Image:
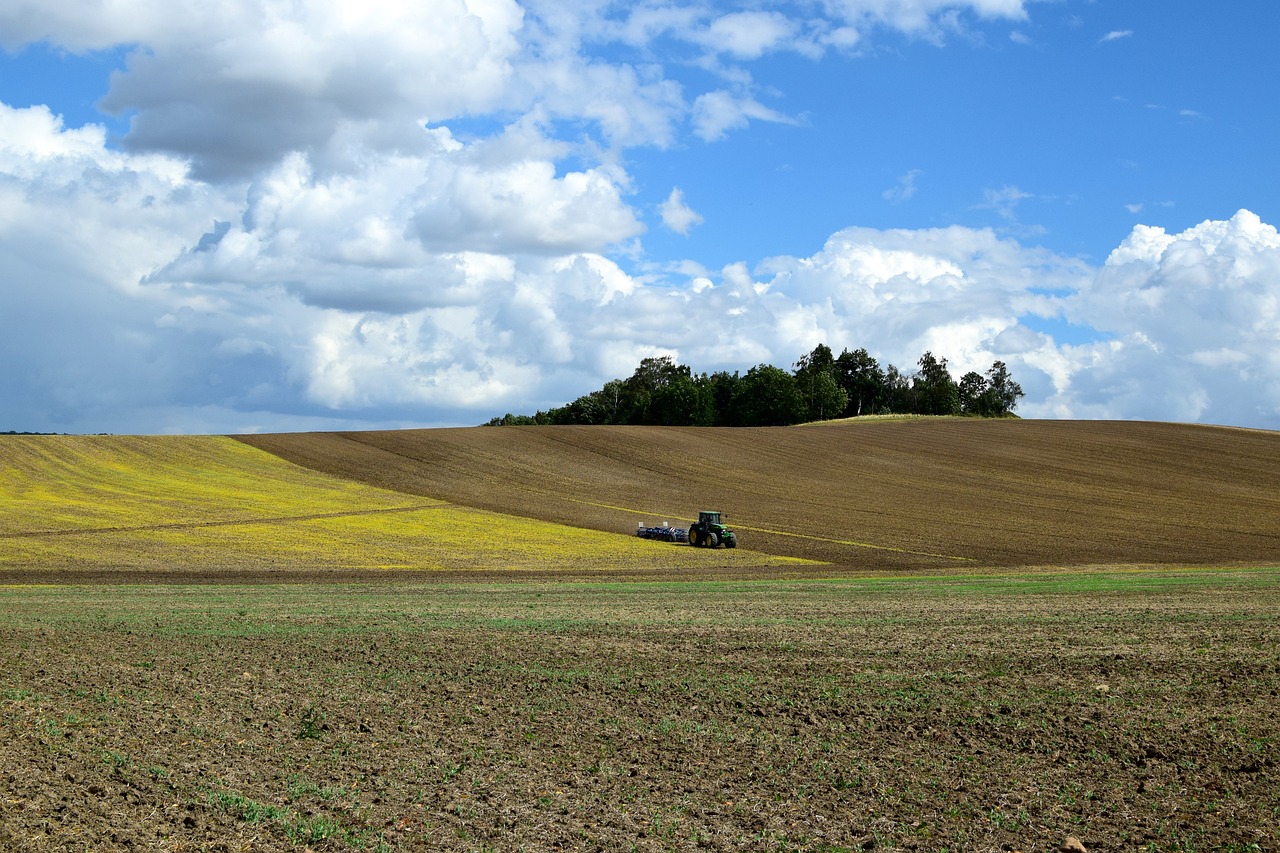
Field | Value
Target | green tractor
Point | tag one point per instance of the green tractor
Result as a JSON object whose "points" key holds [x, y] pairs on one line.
{"points": [[709, 532]]}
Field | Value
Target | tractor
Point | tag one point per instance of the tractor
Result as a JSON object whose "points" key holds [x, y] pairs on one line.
{"points": [[709, 532]]}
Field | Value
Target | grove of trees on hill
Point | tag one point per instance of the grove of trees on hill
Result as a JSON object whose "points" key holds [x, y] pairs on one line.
{"points": [[821, 386]]}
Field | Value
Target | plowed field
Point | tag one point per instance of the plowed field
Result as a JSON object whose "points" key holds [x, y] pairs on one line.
{"points": [[923, 494], [1014, 633], [1132, 711]]}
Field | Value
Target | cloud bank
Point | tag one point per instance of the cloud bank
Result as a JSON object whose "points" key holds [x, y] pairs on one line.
{"points": [[323, 217]]}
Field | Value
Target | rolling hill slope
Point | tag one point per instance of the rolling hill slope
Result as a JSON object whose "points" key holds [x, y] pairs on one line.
{"points": [[207, 508], [867, 495]]}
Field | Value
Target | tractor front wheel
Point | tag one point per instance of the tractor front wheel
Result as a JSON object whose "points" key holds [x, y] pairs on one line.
{"points": [[712, 539]]}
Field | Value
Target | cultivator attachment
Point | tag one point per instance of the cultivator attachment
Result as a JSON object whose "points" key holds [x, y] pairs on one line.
{"points": [[664, 532]]}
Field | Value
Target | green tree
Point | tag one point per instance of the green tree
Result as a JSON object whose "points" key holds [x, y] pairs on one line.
{"points": [[724, 388], [683, 401], [1002, 394], [816, 378], [635, 398], [899, 396], [589, 409], [973, 389], [936, 393], [767, 396], [862, 380]]}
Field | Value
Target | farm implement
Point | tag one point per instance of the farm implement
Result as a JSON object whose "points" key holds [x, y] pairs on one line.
{"points": [[664, 533], [708, 531]]}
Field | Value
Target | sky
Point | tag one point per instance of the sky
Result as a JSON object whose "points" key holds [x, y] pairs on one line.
{"points": [[296, 215]]}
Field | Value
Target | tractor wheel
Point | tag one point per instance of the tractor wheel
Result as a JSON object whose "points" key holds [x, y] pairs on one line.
{"points": [[731, 543], [693, 538], [712, 539]]}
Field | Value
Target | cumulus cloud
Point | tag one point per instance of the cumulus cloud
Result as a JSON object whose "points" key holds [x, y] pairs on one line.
{"points": [[1193, 321], [677, 215], [300, 304], [330, 215]]}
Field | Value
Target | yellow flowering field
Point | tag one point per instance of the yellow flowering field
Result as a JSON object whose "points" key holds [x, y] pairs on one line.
{"points": [[180, 504]]}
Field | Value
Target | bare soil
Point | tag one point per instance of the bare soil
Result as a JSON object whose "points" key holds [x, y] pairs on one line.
{"points": [[1027, 657], [816, 716], [932, 494]]}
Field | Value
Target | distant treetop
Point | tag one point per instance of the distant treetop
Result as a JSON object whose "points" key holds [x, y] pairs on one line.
{"points": [[821, 386]]}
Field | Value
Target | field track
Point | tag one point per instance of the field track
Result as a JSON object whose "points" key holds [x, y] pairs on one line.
{"points": [[935, 494]]}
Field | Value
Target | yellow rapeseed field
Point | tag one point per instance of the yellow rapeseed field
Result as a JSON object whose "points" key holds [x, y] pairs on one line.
{"points": [[207, 503]]}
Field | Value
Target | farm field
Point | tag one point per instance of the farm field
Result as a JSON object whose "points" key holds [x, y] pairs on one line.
{"points": [[926, 494], [1132, 710], [214, 509], [938, 634]]}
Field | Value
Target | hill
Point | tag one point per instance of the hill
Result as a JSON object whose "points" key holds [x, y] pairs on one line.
{"points": [[205, 508], [871, 495]]}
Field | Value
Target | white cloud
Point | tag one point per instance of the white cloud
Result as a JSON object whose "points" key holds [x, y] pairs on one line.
{"points": [[921, 17], [328, 214], [677, 215], [716, 113], [748, 35], [236, 86], [905, 189], [304, 304], [1194, 320], [1116, 35], [1005, 201]]}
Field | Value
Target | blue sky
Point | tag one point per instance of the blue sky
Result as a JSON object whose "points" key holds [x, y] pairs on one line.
{"points": [[260, 216]]}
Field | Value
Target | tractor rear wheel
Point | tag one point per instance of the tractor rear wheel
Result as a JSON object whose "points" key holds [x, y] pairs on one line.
{"points": [[693, 538]]}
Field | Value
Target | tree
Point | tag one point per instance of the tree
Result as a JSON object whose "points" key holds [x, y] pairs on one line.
{"points": [[1002, 392], [862, 380], [589, 409], [767, 396], [724, 387], [683, 401], [899, 397], [637, 393], [935, 391], [816, 378], [824, 398], [973, 388], [821, 360]]}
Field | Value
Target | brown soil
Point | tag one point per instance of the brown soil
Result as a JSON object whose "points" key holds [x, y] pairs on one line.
{"points": [[1135, 712], [815, 717], [927, 494]]}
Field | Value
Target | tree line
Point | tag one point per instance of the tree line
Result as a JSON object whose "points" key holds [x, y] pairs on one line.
{"points": [[821, 386]]}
